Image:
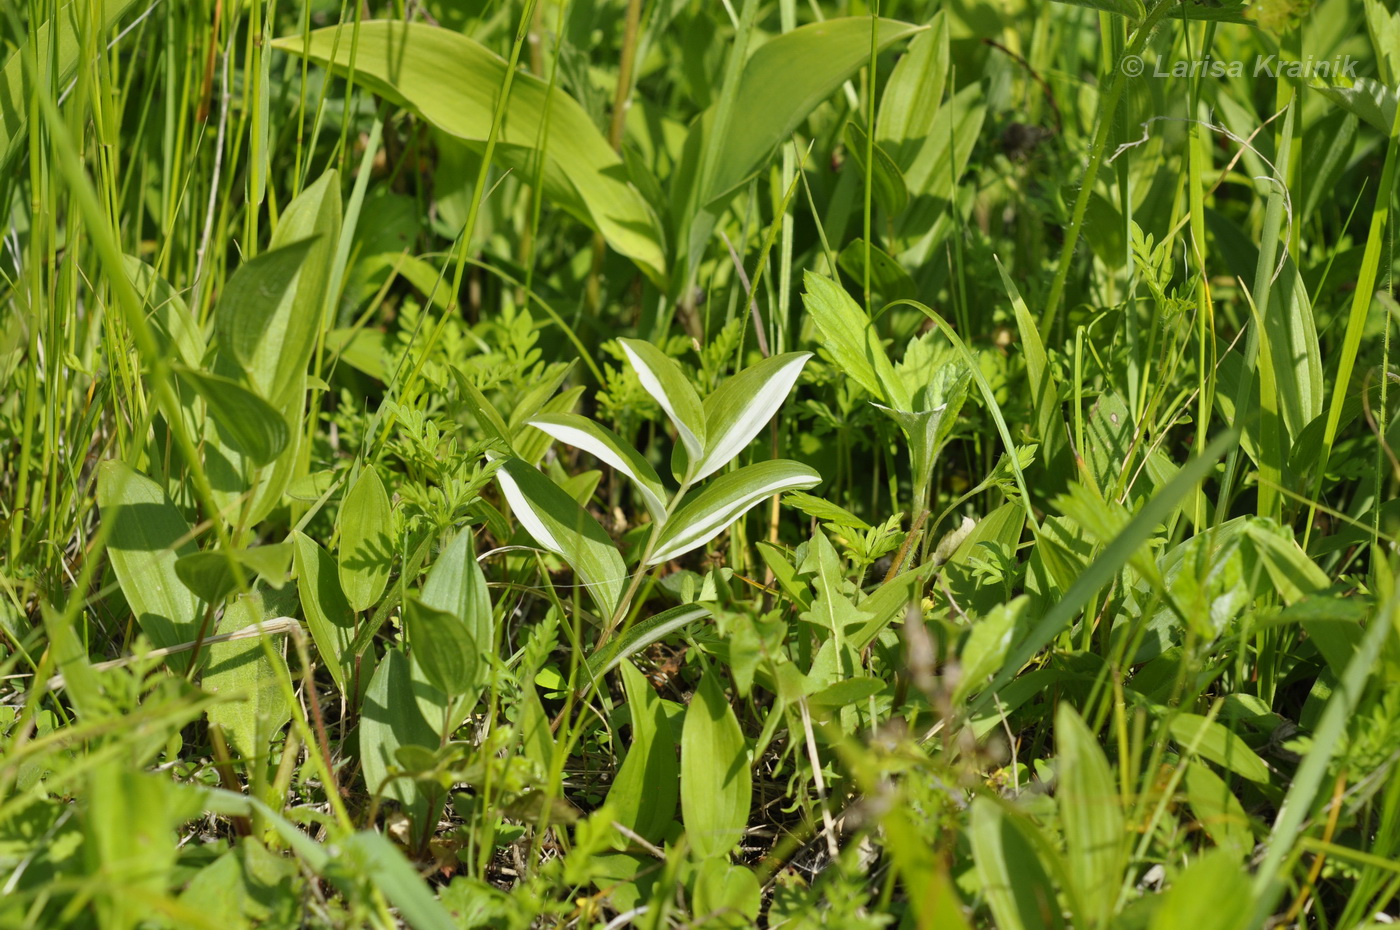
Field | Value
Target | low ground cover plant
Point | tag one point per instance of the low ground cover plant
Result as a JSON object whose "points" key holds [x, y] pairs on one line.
{"points": [[614, 463]]}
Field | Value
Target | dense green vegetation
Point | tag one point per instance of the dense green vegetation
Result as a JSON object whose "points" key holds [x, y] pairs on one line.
{"points": [[669, 464]]}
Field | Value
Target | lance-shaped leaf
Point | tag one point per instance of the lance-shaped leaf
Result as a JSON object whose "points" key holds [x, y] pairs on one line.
{"points": [[328, 614], [1091, 816], [738, 408], [560, 525], [606, 446], [716, 785], [454, 84], [664, 380], [249, 423], [727, 499], [641, 635], [645, 791], [366, 549], [456, 584], [852, 340]]}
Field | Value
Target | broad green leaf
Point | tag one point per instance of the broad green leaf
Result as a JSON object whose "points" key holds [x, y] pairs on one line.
{"points": [[247, 422], [377, 859], [397, 711], [606, 446], [240, 669], [328, 614], [454, 82], [886, 180], [209, 576], [641, 635], [913, 93], [742, 405], [1215, 742], [1009, 873], [561, 526], [644, 792], [726, 895], [255, 311], [852, 340], [664, 380], [1217, 809], [725, 500], [716, 785], [1211, 892], [1091, 815], [932, 175], [985, 649], [1368, 99], [1384, 26], [16, 90], [456, 584], [1132, 9], [146, 537], [366, 547], [174, 327], [784, 80], [442, 647]]}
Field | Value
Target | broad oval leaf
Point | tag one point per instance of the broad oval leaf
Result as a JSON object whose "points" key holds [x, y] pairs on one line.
{"points": [[442, 647], [664, 380], [328, 614], [912, 93], [606, 446], [725, 500], [242, 669], [454, 83], [209, 575], [739, 408], [645, 791], [560, 525], [852, 340], [250, 424], [784, 80], [147, 535], [366, 548], [716, 785], [255, 311]]}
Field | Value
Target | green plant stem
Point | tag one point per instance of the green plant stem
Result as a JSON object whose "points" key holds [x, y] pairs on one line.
{"points": [[1108, 105]]}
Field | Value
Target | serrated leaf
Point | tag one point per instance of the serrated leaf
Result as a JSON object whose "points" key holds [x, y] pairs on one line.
{"points": [[147, 535], [1132, 9], [663, 379], [606, 446], [854, 343], [560, 525], [716, 786], [366, 548], [1368, 99], [645, 791], [328, 614], [742, 405], [453, 82], [724, 501]]}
